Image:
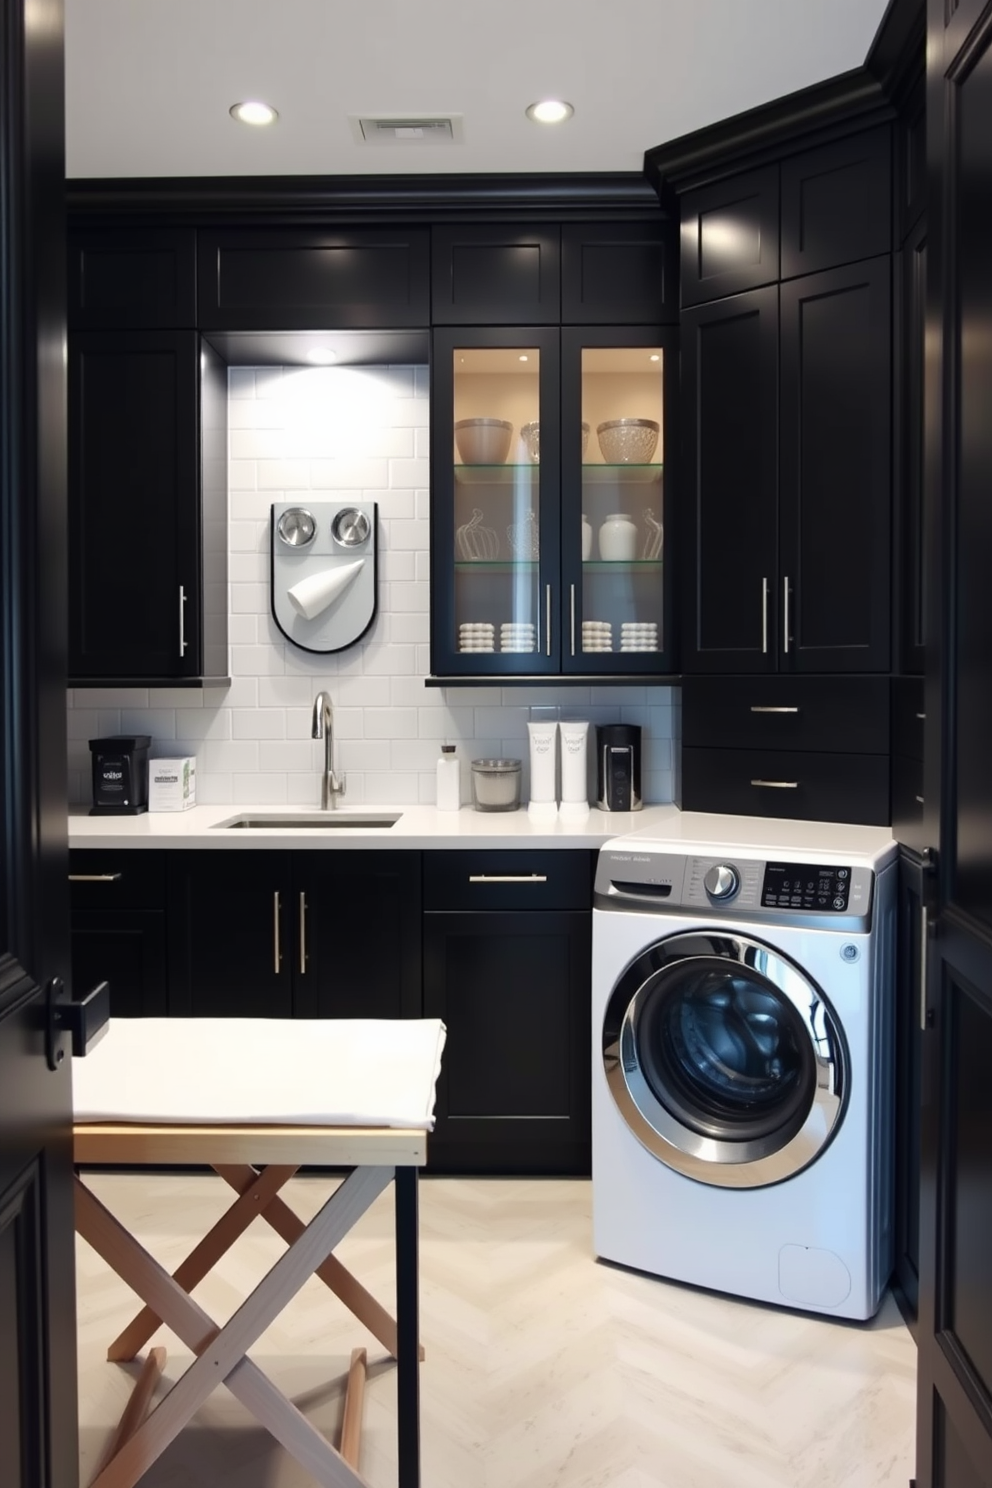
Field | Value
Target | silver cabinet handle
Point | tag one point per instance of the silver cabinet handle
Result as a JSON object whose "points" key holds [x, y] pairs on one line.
{"points": [[527, 878], [785, 615], [276, 947], [547, 619], [764, 616], [94, 877], [921, 717], [757, 708], [777, 784], [919, 800], [182, 620], [571, 613], [303, 934]]}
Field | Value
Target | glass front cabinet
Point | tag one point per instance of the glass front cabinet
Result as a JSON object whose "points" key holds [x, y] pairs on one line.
{"points": [[549, 501]]}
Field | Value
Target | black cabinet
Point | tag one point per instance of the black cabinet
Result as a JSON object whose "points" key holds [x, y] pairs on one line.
{"points": [[132, 279], [909, 395], [281, 279], [305, 934], [619, 273], [507, 951], [527, 497], [147, 508], [787, 459], [837, 203], [730, 236], [118, 929], [496, 274]]}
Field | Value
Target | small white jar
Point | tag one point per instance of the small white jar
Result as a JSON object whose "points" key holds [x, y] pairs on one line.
{"points": [[618, 538]]}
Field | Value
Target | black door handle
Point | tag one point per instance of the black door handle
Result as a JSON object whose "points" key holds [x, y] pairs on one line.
{"points": [[86, 1021]]}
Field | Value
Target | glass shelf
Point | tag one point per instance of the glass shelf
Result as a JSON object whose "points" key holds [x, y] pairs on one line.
{"points": [[496, 565], [496, 475], [603, 565], [621, 475]]}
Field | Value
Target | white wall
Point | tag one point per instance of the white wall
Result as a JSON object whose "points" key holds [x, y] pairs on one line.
{"points": [[361, 434]]}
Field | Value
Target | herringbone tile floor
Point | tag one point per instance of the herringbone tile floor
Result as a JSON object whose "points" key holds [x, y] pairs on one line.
{"points": [[544, 1368]]}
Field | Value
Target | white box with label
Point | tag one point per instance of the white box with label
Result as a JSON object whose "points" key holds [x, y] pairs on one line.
{"points": [[171, 784]]}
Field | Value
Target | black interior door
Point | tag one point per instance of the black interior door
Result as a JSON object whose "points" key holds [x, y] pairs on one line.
{"points": [[38, 1430], [954, 1447]]}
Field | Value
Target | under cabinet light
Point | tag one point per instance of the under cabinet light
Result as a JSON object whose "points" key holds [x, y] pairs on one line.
{"points": [[253, 112], [321, 356], [550, 111]]}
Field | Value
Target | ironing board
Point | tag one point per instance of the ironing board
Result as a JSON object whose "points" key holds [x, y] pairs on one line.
{"points": [[256, 1099]]}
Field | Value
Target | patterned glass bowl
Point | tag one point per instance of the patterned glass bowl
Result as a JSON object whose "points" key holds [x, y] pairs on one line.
{"points": [[628, 441], [483, 441], [531, 436]]}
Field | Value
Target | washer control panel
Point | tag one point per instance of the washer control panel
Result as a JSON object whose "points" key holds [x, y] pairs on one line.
{"points": [[806, 886]]}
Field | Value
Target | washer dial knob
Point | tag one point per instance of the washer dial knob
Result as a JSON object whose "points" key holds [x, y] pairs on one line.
{"points": [[721, 881]]}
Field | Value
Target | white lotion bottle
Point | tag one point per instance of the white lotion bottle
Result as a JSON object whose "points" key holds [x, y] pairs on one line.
{"points": [[574, 767], [543, 768], [448, 780]]}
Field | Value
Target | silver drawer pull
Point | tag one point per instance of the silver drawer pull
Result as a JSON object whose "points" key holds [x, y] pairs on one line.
{"points": [[528, 878], [777, 784], [94, 877], [755, 708], [921, 717], [276, 938], [920, 800]]}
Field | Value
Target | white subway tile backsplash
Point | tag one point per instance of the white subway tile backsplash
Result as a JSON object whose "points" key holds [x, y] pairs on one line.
{"points": [[349, 434]]}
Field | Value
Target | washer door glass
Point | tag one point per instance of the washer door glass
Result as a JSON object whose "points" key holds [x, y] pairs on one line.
{"points": [[724, 1059]]}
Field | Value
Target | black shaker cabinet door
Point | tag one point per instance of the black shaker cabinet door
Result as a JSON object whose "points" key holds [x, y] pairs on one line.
{"points": [[836, 203], [495, 275], [132, 279], [730, 450], [134, 559], [835, 470], [619, 273], [730, 236]]}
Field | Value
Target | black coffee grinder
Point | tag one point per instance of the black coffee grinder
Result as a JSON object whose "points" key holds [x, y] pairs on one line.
{"points": [[618, 767]]}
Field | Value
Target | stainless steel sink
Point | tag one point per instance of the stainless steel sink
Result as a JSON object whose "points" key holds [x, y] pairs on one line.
{"points": [[321, 821]]}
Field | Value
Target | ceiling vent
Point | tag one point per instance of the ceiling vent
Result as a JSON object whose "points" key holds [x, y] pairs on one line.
{"points": [[408, 129]]}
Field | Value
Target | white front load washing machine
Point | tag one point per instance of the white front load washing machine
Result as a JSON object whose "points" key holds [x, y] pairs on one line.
{"points": [[742, 1079]]}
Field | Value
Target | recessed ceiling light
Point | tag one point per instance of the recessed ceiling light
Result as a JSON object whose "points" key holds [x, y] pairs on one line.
{"points": [[550, 111], [524, 357], [254, 112], [321, 356], [654, 357]]}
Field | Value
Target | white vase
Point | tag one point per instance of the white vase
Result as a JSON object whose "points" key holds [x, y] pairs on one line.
{"points": [[586, 539], [617, 538]]}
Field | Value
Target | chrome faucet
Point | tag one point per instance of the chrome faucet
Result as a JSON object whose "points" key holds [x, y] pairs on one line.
{"points": [[323, 728]]}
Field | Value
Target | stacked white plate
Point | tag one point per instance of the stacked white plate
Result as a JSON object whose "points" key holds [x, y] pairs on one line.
{"points": [[638, 635], [517, 636], [597, 635], [477, 636]]}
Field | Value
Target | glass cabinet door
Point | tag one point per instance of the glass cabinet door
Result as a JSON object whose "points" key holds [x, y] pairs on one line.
{"points": [[499, 524], [613, 517]]}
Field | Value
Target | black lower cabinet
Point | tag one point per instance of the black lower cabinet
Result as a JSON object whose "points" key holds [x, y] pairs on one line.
{"points": [[118, 929], [319, 934], [512, 986], [909, 974]]}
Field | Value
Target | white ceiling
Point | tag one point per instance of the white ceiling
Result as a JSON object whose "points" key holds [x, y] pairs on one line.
{"points": [[149, 82]]}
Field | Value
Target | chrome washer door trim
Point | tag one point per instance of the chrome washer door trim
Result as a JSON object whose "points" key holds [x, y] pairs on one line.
{"points": [[751, 1163]]}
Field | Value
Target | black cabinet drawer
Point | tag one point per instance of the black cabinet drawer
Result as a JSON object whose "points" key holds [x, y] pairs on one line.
{"points": [[508, 880], [293, 280], [836, 203], [619, 274], [814, 787], [126, 949], [730, 236], [908, 716], [496, 275], [821, 714], [105, 880], [127, 280]]}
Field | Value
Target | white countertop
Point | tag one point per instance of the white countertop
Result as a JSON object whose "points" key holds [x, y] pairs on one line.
{"points": [[426, 827]]}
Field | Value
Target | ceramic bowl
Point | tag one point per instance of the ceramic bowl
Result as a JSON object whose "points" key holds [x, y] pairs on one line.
{"points": [[628, 441], [483, 441]]}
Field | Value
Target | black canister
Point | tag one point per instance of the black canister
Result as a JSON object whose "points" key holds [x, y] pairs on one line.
{"points": [[120, 775], [618, 767]]}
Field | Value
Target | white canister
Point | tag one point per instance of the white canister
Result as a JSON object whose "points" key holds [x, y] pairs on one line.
{"points": [[618, 538], [586, 539], [543, 762], [448, 781], [574, 768]]}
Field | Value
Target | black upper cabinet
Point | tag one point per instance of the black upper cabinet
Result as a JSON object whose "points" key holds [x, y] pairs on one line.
{"points": [[910, 164], [835, 470], [281, 279], [911, 569], [730, 236], [619, 274], [787, 464], [730, 480], [836, 203], [132, 280], [147, 497], [495, 275]]}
